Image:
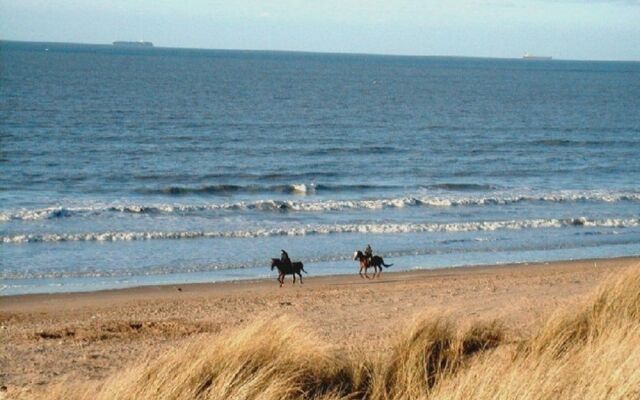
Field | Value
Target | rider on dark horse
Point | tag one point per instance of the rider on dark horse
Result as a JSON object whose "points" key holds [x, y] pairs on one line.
{"points": [[284, 257], [368, 253]]}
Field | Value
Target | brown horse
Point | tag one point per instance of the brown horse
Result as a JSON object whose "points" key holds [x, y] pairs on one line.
{"points": [[376, 262], [291, 268]]}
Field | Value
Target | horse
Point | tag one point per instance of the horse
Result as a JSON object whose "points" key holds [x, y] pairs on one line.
{"points": [[376, 262], [291, 268]]}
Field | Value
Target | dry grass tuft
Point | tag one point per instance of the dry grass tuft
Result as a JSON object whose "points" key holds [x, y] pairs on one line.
{"points": [[592, 352], [432, 350], [273, 359], [616, 302]]}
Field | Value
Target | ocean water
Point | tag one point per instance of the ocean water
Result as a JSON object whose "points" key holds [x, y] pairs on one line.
{"points": [[127, 167]]}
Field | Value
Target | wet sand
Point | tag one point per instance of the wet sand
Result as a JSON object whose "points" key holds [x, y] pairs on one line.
{"points": [[48, 338]]}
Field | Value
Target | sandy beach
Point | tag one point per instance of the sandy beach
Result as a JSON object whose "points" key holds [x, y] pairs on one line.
{"points": [[81, 336]]}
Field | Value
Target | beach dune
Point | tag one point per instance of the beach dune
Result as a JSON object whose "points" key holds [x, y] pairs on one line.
{"points": [[351, 330]]}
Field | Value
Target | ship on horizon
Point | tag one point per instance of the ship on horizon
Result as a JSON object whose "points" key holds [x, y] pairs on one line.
{"points": [[138, 44], [528, 56]]}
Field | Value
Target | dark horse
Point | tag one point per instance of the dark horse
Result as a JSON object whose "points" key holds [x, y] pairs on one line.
{"points": [[376, 262], [284, 268]]}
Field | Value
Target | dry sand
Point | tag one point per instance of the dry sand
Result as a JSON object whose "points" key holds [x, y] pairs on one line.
{"points": [[47, 338]]}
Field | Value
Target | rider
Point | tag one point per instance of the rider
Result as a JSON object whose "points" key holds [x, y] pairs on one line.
{"points": [[368, 252], [284, 257]]}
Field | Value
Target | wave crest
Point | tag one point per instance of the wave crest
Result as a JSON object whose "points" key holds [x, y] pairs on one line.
{"points": [[228, 189], [385, 228], [320, 205]]}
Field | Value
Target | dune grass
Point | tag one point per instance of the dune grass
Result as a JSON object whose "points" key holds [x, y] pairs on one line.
{"points": [[269, 359], [590, 351], [432, 349]]}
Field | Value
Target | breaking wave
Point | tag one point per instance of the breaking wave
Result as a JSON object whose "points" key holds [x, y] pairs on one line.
{"points": [[303, 230], [228, 189], [318, 206], [463, 187]]}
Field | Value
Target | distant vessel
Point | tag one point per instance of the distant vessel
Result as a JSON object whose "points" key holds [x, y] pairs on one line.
{"points": [[528, 56], [133, 44]]}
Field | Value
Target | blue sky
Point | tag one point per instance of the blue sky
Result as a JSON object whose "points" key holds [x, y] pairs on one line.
{"points": [[568, 29]]}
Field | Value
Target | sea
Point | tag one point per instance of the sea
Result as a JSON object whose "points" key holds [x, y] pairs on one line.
{"points": [[125, 167]]}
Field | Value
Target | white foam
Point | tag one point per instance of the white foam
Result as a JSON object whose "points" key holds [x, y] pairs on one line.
{"points": [[383, 228], [303, 188], [323, 205]]}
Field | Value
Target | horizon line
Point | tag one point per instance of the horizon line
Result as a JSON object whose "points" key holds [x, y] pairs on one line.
{"points": [[346, 53]]}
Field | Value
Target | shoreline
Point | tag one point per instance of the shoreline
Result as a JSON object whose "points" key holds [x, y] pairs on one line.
{"points": [[152, 290]]}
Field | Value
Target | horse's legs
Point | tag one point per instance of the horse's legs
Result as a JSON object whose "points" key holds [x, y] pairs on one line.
{"points": [[294, 278], [281, 279], [365, 273], [300, 275], [360, 272]]}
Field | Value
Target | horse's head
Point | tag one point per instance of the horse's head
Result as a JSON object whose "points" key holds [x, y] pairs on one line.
{"points": [[274, 263], [357, 255]]}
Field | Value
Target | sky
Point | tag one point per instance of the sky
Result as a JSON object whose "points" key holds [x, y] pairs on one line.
{"points": [[564, 29]]}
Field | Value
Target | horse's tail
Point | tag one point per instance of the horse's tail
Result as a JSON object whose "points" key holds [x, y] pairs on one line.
{"points": [[297, 267], [385, 265]]}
